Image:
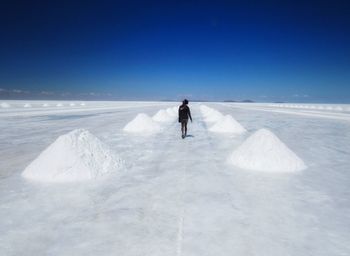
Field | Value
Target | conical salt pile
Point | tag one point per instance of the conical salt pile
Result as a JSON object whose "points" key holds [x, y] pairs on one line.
{"points": [[172, 111], [142, 123], [263, 151], [27, 105], [75, 156], [205, 110], [213, 116], [163, 116], [227, 124]]}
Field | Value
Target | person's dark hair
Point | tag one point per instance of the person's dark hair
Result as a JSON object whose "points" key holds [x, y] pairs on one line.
{"points": [[185, 102]]}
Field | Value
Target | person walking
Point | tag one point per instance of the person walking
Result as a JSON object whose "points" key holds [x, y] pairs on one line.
{"points": [[184, 115]]}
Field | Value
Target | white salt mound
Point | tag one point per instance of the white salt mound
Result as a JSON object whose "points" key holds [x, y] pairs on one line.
{"points": [[45, 105], [205, 110], [263, 151], [72, 104], [27, 105], [227, 124], [213, 116], [75, 156], [5, 105], [82, 104], [142, 123], [163, 116], [172, 111], [59, 105]]}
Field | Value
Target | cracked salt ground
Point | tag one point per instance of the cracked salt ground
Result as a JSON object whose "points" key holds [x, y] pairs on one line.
{"points": [[177, 197]]}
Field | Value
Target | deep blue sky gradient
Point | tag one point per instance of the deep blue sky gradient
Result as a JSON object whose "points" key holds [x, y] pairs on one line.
{"points": [[219, 50]]}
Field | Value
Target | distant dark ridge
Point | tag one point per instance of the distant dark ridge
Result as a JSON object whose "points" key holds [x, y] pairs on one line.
{"points": [[245, 101]]}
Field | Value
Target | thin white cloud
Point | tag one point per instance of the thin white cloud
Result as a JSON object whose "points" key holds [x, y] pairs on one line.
{"points": [[47, 93]]}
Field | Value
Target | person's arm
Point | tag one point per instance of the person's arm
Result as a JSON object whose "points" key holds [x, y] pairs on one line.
{"points": [[189, 114], [179, 114]]}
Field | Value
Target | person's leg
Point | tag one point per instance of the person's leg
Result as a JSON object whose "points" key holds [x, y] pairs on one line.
{"points": [[186, 128], [182, 127]]}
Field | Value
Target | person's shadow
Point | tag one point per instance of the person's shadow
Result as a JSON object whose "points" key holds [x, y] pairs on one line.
{"points": [[189, 136]]}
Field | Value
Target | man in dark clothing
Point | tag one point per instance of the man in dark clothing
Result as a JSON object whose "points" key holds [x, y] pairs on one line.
{"points": [[184, 114]]}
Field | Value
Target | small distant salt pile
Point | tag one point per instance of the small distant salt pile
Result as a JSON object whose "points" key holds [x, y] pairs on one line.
{"points": [[72, 104], [75, 156], [263, 151], [227, 124], [59, 105], [5, 105], [142, 123], [82, 104], [205, 110], [213, 116], [45, 105], [163, 116], [172, 111], [27, 105]]}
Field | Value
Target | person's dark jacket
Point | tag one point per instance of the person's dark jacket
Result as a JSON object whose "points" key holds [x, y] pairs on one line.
{"points": [[184, 113]]}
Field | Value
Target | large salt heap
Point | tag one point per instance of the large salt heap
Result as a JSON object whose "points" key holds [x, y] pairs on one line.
{"points": [[142, 123], [75, 156], [227, 124], [163, 116], [263, 151]]}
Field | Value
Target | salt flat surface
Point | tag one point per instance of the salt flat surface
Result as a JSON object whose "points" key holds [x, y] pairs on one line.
{"points": [[177, 197]]}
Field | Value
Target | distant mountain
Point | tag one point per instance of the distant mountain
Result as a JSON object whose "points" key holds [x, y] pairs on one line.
{"points": [[246, 101]]}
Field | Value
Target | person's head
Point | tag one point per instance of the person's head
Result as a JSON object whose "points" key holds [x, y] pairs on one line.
{"points": [[185, 102]]}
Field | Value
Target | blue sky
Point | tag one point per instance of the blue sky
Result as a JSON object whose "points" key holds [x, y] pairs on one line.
{"points": [[156, 50]]}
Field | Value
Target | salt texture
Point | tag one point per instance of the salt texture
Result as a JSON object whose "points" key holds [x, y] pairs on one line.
{"points": [[205, 110], [142, 123], [213, 116], [5, 105], [227, 124], [75, 156], [172, 111], [210, 114], [263, 151], [163, 116]]}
